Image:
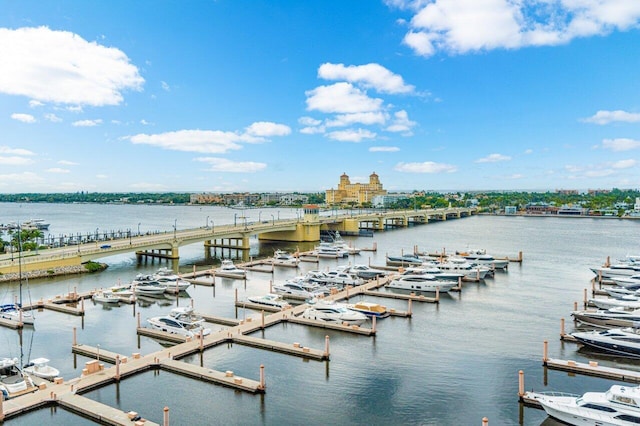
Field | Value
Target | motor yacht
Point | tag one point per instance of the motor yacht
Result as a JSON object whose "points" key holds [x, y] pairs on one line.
{"points": [[274, 300], [480, 257], [608, 318], [333, 312], [365, 271], [620, 405], [405, 260], [227, 267], [327, 249], [292, 288], [180, 321], [617, 270], [281, 257], [370, 309], [105, 296], [422, 283], [619, 341], [629, 282]]}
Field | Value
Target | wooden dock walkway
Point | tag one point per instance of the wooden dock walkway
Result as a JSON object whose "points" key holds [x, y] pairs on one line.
{"points": [[593, 369]]}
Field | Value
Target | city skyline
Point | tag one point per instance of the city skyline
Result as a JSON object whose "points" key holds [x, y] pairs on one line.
{"points": [[223, 96]]}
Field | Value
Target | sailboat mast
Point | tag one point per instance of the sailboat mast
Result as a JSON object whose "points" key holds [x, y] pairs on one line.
{"points": [[20, 262]]}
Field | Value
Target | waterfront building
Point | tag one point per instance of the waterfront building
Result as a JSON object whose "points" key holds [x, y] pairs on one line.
{"points": [[380, 201], [355, 193], [510, 209]]}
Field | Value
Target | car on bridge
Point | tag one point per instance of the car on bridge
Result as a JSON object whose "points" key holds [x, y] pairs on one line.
{"points": [[105, 246]]}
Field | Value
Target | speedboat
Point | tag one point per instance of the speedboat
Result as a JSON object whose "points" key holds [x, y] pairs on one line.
{"points": [[424, 283], [147, 288], [40, 367], [480, 257], [632, 302], [461, 265], [180, 321], [629, 282], [14, 312], [270, 300], [105, 296], [281, 257], [334, 313], [327, 249], [342, 278], [227, 267], [13, 381], [608, 318], [342, 244], [435, 272], [370, 309], [620, 405], [617, 270], [620, 341]]}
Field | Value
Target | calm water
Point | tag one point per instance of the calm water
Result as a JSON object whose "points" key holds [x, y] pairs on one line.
{"points": [[451, 364]]}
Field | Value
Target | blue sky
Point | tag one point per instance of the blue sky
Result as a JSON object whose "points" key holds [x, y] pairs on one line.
{"points": [[223, 96]]}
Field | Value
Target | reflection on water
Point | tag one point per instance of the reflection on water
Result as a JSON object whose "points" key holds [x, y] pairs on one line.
{"points": [[451, 363]]}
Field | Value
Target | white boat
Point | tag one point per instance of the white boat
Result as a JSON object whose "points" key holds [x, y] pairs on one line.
{"points": [[365, 271], [621, 292], [423, 283], [617, 270], [327, 249], [13, 381], [435, 272], [150, 288], [40, 367], [180, 321], [14, 312], [35, 224], [281, 257], [342, 244], [620, 341], [405, 260], [631, 282], [608, 318], [228, 268], [333, 312], [620, 405], [370, 309], [274, 300], [105, 296], [608, 303], [172, 283], [341, 278], [292, 288], [461, 265]]}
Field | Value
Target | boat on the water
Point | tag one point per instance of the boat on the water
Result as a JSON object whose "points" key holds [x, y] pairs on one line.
{"points": [[370, 309], [365, 271], [227, 267], [424, 283], [620, 405], [405, 260], [619, 341], [13, 381], [281, 257], [14, 312], [40, 367], [181, 320], [333, 312], [273, 300], [105, 296], [608, 318], [298, 289]]}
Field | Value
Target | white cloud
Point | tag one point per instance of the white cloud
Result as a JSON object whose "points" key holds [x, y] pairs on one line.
{"points": [[87, 123], [312, 130], [62, 67], [461, 26], [624, 164], [341, 98], [351, 135], [101, 176], [15, 161], [267, 129], [528, 151], [384, 149], [15, 151], [369, 76], [67, 163], [225, 165], [620, 144], [144, 122], [606, 117], [165, 86], [204, 141], [23, 179], [309, 121], [366, 118], [52, 118], [426, 167], [25, 118], [35, 104], [58, 170], [147, 186], [493, 158], [401, 123]]}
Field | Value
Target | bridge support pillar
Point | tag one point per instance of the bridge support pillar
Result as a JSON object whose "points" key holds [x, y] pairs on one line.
{"points": [[380, 224]]}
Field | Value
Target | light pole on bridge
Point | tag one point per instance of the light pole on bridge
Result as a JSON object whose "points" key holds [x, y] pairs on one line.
{"points": [[273, 220], [175, 228]]}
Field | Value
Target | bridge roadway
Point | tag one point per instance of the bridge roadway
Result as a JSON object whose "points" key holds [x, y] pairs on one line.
{"points": [[283, 230]]}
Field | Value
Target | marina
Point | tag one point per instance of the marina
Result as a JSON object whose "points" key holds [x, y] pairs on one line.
{"points": [[397, 339]]}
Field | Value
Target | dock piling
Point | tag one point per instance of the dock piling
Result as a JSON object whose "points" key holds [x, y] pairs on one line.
{"points": [[117, 368], [373, 323], [165, 417], [326, 346], [409, 307], [262, 381], [545, 351], [75, 341], [520, 383], [485, 421], [562, 333]]}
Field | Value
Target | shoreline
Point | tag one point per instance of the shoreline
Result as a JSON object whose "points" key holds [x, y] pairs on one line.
{"points": [[47, 273]]}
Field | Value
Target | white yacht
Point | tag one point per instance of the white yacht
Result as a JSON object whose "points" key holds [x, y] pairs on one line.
{"points": [[13, 381], [620, 341], [423, 283], [274, 300], [40, 367], [617, 270], [620, 405], [105, 296], [334, 313], [227, 267], [630, 282], [281, 257], [365, 271], [326, 249], [461, 265], [180, 321], [292, 288], [608, 318]]}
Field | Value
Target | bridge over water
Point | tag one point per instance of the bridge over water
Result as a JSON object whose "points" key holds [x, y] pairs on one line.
{"points": [[304, 229]]}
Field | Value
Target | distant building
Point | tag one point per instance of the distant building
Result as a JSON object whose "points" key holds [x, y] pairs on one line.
{"points": [[355, 193], [510, 210], [388, 199]]}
